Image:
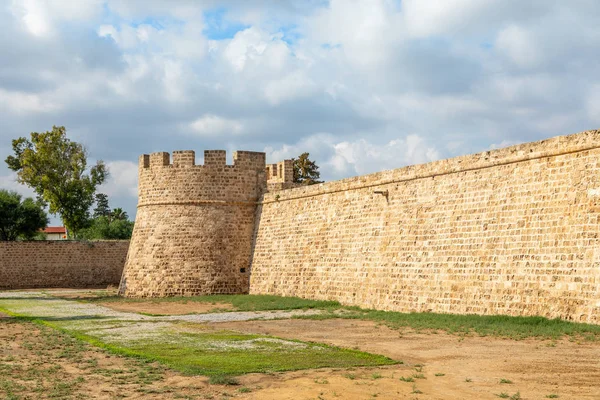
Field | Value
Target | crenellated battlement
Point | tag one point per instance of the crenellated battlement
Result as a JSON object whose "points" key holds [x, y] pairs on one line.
{"points": [[159, 159], [184, 158], [215, 175], [280, 176], [282, 171], [212, 158]]}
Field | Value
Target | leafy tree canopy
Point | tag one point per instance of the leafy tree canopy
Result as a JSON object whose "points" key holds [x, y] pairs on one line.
{"points": [[56, 168], [119, 215], [107, 229], [20, 219], [306, 172], [102, 209]]}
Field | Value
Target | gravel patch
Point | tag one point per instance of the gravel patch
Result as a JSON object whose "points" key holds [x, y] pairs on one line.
{"points": [[134, 331], [127, 327], [37, 303], [239, 316], [260, 344]]}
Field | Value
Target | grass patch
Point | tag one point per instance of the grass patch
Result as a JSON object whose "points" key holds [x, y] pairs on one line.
{"points": [[214, 353], [221, 379], [483, 325], [229, 353]]}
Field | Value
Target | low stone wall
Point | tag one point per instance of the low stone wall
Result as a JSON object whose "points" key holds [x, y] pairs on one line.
{"points": [[65, 264]]}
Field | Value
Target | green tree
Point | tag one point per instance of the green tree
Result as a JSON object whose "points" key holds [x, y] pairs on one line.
{"points": [[306, 172], [119, 215], [20, 219], [102, 209], [103, 228], [56, 168]]}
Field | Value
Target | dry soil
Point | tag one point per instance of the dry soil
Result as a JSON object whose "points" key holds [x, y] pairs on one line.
{"points": [[440, 365]]}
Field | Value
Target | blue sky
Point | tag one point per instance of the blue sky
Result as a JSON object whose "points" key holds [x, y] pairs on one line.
{"points": [[363, 85]]}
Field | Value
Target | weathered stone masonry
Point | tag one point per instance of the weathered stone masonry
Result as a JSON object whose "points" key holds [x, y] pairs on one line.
{"points": [[58, 263], [194, 225], [512, 231]]}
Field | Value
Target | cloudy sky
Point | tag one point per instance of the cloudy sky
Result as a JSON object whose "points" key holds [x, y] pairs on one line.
{"points": [[361, 85]]}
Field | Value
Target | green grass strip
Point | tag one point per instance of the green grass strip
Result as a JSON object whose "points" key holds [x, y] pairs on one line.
{"points": [[512, 327], [217, 353]]}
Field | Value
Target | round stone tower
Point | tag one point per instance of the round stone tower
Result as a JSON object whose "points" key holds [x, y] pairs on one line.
{"points": [[194, 224]]}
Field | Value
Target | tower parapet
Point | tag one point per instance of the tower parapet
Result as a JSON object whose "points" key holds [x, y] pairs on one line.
{"points": [[194, 225], [280, 176]]}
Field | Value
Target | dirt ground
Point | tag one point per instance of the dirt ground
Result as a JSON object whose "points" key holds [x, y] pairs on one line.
{"points": [[435, 365], [40, 363], [466, 368], [168, 308]]}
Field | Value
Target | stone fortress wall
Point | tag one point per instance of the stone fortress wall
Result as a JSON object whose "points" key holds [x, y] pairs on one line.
{"points": [[513, 231], [61, 264], [194, 224]]}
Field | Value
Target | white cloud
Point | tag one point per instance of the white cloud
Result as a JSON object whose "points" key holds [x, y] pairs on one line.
{"points": [[126, 36], [425, 18], [139, 9], [339, 159], [502, 144], [22, 103], [173, 80], [9, 182], [122, 180], [429, 17], [592, 105], [255, 46], [366, 31], [519, 46], [362, 157], [41, 17], [183, 42], [33, 16], [524, 89], [213, 125], [289, 87]]}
